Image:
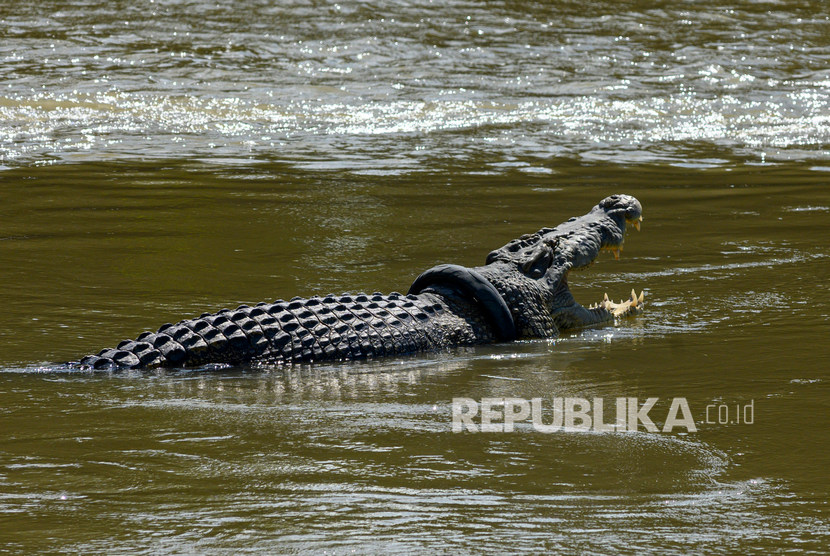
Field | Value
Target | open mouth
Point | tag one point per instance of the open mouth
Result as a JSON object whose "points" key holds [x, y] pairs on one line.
{"points": [[626, 307], [605, 310]]}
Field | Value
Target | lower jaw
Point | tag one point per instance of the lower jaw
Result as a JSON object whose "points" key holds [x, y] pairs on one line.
{"points": [[574, 316], [629, 307]]}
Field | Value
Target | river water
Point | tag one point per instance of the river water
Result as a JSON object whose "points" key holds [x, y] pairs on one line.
{"points": [[159, 159]]}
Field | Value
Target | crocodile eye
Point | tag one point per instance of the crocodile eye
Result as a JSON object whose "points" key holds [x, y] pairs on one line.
{"points": [[536, 273]]}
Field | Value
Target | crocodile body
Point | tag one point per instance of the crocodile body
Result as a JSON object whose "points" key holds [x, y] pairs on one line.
{"points": [[521, 292]]}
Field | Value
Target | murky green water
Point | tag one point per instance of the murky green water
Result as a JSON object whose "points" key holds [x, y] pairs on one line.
{"points": [[167, 158]]}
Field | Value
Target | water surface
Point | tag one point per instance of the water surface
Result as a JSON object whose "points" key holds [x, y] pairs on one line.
{"points": [[164, 159]]}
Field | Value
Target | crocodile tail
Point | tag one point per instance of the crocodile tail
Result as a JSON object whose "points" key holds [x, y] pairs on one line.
{"points": [[226, 336], [299, 330]]}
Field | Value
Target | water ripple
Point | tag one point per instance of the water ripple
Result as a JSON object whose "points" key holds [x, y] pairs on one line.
{"points": [[387, 81]]}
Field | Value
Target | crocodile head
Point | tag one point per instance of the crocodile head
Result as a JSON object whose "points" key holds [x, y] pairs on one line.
{"points": [[531, 272]]}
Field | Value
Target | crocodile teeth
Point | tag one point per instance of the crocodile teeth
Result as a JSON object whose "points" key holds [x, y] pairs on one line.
{"points": [[632, 305]]}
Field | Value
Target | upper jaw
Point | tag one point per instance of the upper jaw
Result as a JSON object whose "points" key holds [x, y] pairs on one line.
{"points": [[579, 240]]}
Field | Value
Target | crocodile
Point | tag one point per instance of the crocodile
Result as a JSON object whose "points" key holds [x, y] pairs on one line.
{"points": [[521, 292]]}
